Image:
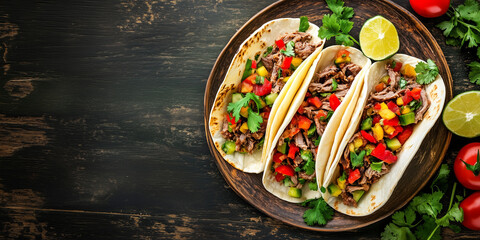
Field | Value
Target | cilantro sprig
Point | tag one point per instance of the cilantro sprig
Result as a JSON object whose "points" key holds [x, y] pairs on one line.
{"points": [[289, 51], [254, 119], [304, 25], [404, 223], [338, 24], [319, 213], [427, 72], [463, 29]]}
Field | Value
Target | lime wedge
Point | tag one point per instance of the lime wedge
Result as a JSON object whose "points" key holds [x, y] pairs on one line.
{"points": [[379, 38], [462, 114]]}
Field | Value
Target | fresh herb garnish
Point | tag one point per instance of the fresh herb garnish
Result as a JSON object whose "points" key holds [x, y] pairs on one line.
{"points": [[259, 80], [428, 206], [475, 168], [338, 24], [313, 186], [415, 104], [254, 119], [403, 83], [357, 160], [289, 51], [427, 72], [304, 25], [318, 213], [317, 141], [309, 167], [248, 69], [463, 29], [325, 94], [279, 73]]}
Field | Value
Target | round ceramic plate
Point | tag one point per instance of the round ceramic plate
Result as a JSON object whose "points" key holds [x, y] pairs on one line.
{"points": [[415, 40]]}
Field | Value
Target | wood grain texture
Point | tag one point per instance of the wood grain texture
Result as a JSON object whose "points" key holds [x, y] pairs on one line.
{"points": [[415, 41], [101, 122]]}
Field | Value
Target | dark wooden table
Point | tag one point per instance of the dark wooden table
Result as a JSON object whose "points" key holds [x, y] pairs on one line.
{"points": [[101, 122]]}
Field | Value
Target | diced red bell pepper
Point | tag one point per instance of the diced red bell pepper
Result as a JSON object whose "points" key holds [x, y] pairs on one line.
{"points": [[231, 118], [304, 123], [308, 94], [377, 106], [278, 157], [292, 150], [407, 132], [334, 102], [285, 170], [379, 151], [264, 89], [393, 107], [367, 136], [415, 93], [407, 97], [398, 130], [250, 79], [341, 53], [353, 176], [301, 109], [286, 63], [280, 44], [376, 119], [392, 122], [388, 157], [320, 114], [279, 177], [397, 67], [315, 101], [254, 64]]}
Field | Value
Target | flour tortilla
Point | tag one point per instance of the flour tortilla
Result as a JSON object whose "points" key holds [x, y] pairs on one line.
{"points": [[335, 128], [257, 43], [380, 192]]}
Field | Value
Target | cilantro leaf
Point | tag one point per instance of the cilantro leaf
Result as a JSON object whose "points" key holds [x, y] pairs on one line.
{"points": [[345, 25], [357, 160], [309, 167], [289, 51], [470, 10], [338, 24], [393, 232], [428, 203], [334, 85], [304, 25], [442, 178], [337, 8], [447, 27], [269, 50], [474, 74], [319, 213], [254, 120], [454, 214], [330, 27], [428, 229], [427, 72]]}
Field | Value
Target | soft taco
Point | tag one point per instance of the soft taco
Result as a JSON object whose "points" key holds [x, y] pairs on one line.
{"points": [[392, 117], [266, 71], [319, 113]]}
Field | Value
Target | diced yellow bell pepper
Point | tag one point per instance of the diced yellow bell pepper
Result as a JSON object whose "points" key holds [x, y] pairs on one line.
{"points": [[343, 60], [377, 132], [334, 190], [386, 114], [369, 147], [285, 79], [388, 129], [405, 110], [244, 127], [383, 106], [341, 183], [262, 71], [244, 112], [296, 61], [384, 79], [399, 101], [408, 71], [351, 147], [262, 103], [358, 142]]}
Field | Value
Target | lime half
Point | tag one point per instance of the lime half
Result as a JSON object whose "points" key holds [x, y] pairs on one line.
{"points": [[379, 38], [462, 114]]}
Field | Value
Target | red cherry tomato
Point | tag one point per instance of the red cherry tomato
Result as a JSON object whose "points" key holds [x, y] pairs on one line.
{"points": [[471, 211], [466, 177], [430, 8]]}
